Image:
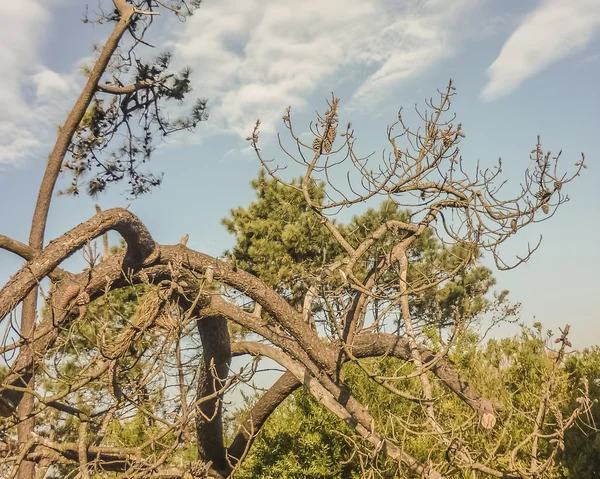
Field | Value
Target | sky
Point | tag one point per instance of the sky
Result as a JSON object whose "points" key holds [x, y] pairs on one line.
{"points": [[522, 68]]}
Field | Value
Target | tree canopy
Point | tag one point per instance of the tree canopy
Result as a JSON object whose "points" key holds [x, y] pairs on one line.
{"points": [[127, 369], [300, 440]]}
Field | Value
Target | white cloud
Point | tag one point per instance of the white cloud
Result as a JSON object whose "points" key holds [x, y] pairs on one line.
{"points": [[15, 141], [553, 31], [413, 41], [30, 94], [251, 59], [50, 83], [254, 58], [21, 24]]}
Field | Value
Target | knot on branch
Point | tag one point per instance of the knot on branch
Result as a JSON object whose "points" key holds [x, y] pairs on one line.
{"points": [[153, 257], [487, 413]]}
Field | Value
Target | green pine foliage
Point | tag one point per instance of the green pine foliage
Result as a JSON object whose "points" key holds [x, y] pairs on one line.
{"points": [[514, 370], [279, 239], [301, 440], [582, 447]]}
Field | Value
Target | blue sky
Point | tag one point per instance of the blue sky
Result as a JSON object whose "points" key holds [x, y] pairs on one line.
{"points": [[522, 68]]}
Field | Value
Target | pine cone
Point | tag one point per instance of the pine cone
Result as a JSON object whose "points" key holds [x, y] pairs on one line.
{"points": [[316, 144], [545, 208], [542, 194], [331, 133], [83, 299], [199, 469]]}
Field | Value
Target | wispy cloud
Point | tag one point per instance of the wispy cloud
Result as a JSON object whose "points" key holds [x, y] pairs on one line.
{"points": [[254, 58], [30, 94], [251, 59], [409, 42], [553, 31]]}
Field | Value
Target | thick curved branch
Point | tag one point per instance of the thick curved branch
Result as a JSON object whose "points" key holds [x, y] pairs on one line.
{"points": [[94, 282], [26, 252], [256, 289], [341, 403], [110, 273], [139, 246], [63, 308], [259, 413]]}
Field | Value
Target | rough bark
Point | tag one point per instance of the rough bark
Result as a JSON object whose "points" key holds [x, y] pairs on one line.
{"points": [[139, 246], [42, 207], [307, 358], [214, 369], [259, 413], [340, 402]]}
